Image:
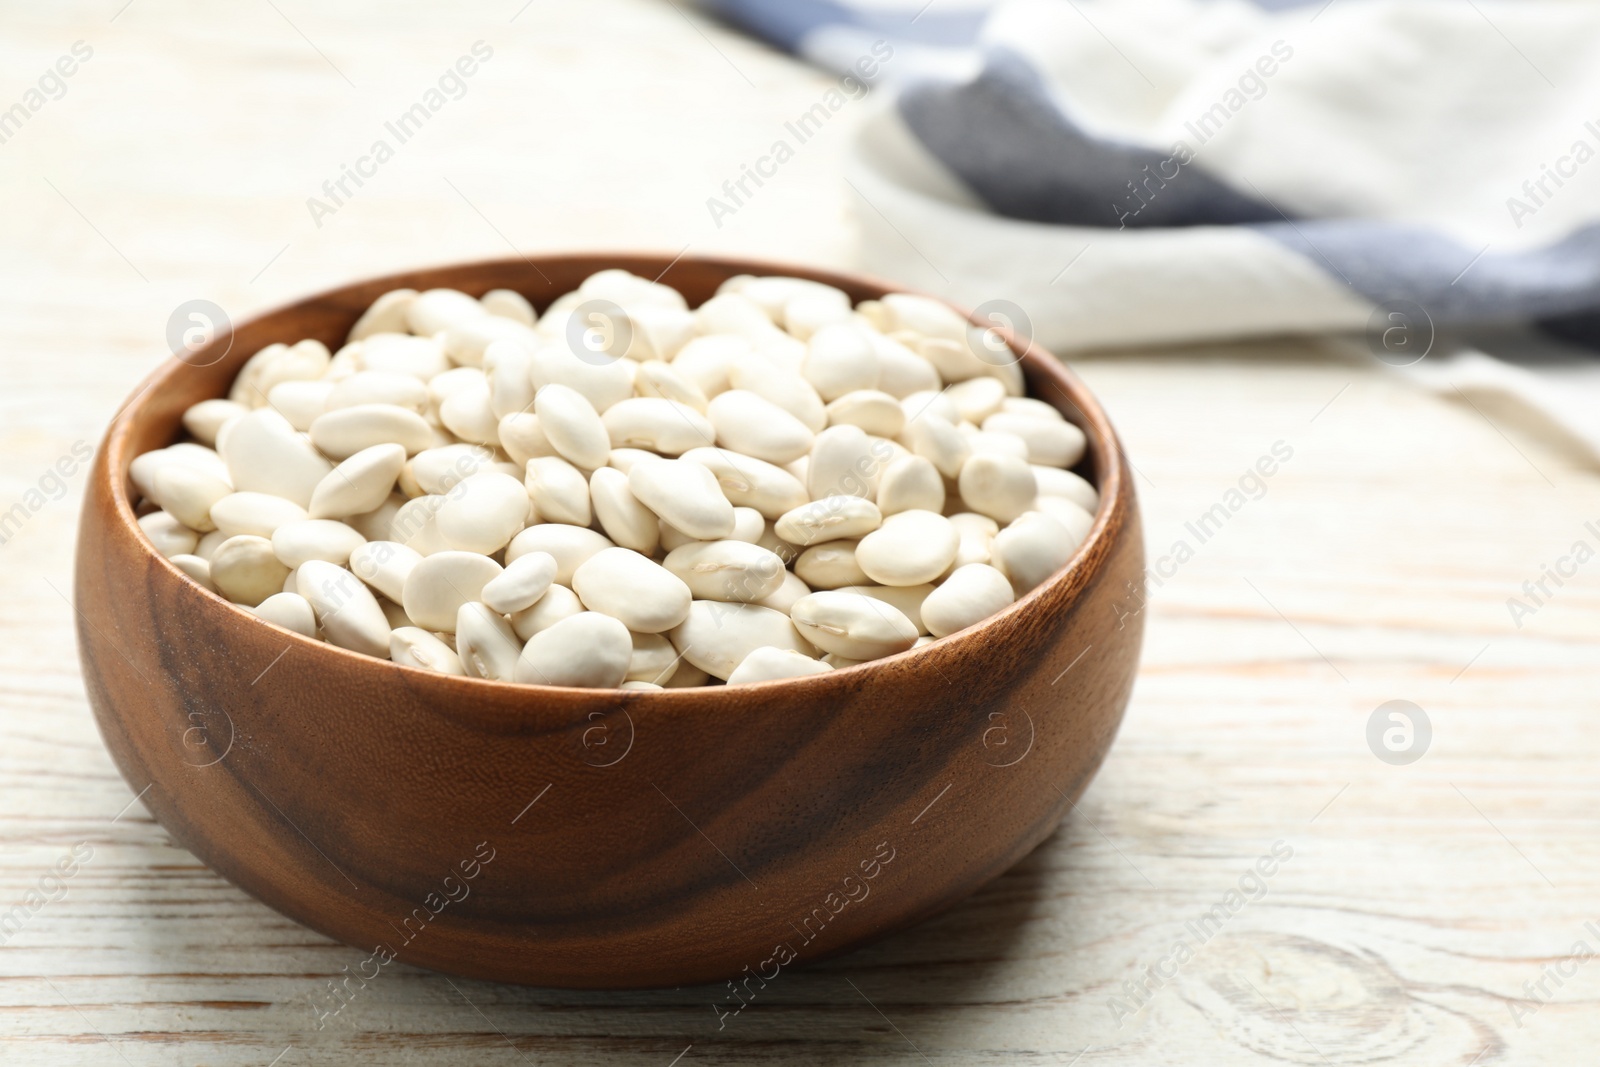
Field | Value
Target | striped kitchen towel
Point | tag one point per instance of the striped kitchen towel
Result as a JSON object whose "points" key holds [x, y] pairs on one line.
{"points": [[1147, 171]]}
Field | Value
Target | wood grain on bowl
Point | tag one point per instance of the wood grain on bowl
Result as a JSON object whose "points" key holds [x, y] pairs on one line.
{"points": [[596, 838]]}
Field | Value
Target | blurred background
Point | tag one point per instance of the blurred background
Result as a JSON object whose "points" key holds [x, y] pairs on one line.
{"points": [[1421, 542]]}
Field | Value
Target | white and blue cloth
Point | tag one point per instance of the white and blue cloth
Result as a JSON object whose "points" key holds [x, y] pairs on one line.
{"points": [[1147, 171]]}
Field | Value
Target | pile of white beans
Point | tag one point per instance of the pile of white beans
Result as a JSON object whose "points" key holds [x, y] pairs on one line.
{"points": [[624, 492]]}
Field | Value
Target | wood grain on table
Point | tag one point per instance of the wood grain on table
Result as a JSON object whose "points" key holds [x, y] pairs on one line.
{"points": [[1434, 913]]}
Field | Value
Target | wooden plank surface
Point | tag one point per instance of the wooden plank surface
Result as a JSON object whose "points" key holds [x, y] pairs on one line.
{"points": [[1424, 914]]}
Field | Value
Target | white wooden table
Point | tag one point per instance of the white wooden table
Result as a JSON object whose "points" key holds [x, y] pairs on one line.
{"points": [[1427, 912]]}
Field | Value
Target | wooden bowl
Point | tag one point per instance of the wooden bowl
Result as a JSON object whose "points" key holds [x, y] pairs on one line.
{"points": [[587, 838]]}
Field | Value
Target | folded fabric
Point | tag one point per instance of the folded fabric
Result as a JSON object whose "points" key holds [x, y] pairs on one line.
{"points": [[1175, 170]]}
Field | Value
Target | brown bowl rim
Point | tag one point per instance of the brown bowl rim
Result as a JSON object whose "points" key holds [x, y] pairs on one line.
{"points": [[1113, 480]]}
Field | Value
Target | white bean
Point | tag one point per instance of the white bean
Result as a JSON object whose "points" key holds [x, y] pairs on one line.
{"points": [[206, 418], [415, 525], [977, 398], [602, 383], [685, 495], [631, 587], [1074, 518], [748, 526], [910, 548], [1031, 549], [875, 412], [522, 438], [359, 484], [656, 378], [625, 520], [717, 636], [852, 625], [509, 304], [768, 664], [707, 361], [846, 460], [466, 341], [254, 513], [783, 387], [245, 388], [442, 387], [928, 317], [386, 315], [840, 359], [246, 570], [303, 361], [977, 537], [438, 309], [588, 650], [673, 538], [525, 580], [188, 494], [658, 332], [627, 289], [559, 491], [910, 483], [439, 470], [290, 611], [347, 611], [558, 603], [992, 443], [300, 402], [437, 587], [411, 646], [196, 567], [906, 599], [376, 525], [509, 366], [1001, 487], [726, 570], [1027, 405], [469, 414], [654, 660], [142, 469], [398, 353], [384, 565], [931, 403], [570, 545], [572, 425], [749, 423], [343, 433], [1050, 443], [379, 387], [394, 613], [750, 482], [663, 426], [831, 518], [1053, 481], [487, 510], [830, 565], [807, 313], [791, 589], [934, 438], [264, 454], [296, 542], [901, 372], [486, 644], [956, 361], [970, 595]]}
